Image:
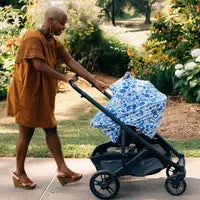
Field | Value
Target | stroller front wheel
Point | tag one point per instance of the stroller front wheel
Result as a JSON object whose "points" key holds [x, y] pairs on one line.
{"points": [[104, 184], [174, 187]]}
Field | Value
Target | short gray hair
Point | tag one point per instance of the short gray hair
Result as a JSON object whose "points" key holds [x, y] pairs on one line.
{"points": [[54, 12]]}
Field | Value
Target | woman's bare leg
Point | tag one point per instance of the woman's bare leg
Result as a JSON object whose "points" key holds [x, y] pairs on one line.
{"points": [[54, 146], [25, 135]]}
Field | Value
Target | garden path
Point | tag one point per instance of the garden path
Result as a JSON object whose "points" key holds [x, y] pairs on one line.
{"points": [[133, 32]]}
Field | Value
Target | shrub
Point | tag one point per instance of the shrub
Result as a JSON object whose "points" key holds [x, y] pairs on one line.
{"points": [[156, 66], [113, 58], [171, 39], [11, 22], [15, 3], [81, 36], [6, 69], [189, 77]]}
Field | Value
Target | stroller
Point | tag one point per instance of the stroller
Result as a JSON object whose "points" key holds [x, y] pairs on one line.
{"points": [[132, 154]]}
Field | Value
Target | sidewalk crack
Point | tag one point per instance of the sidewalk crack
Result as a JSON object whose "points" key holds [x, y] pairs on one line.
{"points": [[46, 188]]}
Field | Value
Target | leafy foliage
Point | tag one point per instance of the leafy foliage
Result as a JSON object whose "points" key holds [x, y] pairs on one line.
{"points": [[85, 42], [14, 3], [107, 6], [171, 40], [156, 67], [82, 37], [113, 58], [11, 22]]}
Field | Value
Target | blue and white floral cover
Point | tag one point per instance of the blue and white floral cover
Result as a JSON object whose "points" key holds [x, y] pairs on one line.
{"points": [[134, 102]]}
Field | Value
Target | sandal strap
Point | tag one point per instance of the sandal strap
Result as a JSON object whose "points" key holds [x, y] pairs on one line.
{"points": [[63, 174], [23, 179], [71, 176]]}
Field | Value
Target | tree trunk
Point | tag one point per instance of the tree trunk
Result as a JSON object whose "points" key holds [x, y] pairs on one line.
{"points": [[113, 12], [148, 16]]}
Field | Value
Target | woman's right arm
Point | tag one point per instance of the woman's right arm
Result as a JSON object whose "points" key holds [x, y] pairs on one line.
{"points": [[45, 69]]}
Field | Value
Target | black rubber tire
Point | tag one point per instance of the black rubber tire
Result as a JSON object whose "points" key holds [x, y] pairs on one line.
{"points": [[172, 188], [107, 183]]}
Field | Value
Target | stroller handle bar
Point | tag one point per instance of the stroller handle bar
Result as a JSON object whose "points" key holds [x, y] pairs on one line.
{"points": [[104, 92]]}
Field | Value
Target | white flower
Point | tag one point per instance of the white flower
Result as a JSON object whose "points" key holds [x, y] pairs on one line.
{"points": [[179, 66], [197, 59], [179, 72], [4, 25], [195, 52], [190, 65]]}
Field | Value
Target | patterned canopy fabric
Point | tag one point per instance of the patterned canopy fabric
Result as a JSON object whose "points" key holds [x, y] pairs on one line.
{"points": [[135, 103]]}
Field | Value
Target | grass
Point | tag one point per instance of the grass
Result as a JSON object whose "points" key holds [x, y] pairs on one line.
{"points": [[190, 148], [77, 137]]}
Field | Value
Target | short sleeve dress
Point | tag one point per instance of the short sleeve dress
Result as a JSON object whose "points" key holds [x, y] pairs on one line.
{"points": [[31, 95]]}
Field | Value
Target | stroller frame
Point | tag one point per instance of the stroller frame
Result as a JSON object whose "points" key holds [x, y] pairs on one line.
{"points": [[126, 163]]}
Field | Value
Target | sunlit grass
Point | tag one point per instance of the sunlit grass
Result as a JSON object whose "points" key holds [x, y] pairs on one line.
{"points": [[77, 137], [190, 148]]}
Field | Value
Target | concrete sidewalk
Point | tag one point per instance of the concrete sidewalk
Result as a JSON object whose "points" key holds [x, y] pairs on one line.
{"points": [[43, 172]]}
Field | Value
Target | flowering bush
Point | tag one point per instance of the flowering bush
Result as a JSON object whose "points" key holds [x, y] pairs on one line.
{"points": [[80, 34], [6, 69], [155, 66], [11, 23], [171, 38], [189, 77], [164, 48]]}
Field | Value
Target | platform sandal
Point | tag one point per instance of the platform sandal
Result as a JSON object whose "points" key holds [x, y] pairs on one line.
{"points": [[23, 182], [65, 178]]}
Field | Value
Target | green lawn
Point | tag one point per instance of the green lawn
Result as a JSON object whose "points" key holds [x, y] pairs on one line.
{"points": [[77, 137]]}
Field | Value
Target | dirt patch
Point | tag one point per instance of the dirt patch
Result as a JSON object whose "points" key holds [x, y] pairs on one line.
{"points": [[180, 119]]}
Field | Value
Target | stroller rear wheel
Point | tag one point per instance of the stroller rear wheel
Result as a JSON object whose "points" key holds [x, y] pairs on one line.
{"points": [[104, 184], [175, 187]]}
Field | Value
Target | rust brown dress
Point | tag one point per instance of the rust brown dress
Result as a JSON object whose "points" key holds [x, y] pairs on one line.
{"points": [[31, 95]]}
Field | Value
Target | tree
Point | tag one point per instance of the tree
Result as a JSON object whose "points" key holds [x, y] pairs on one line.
{"points": [[113, 12], [143, 7], [112, 8]]}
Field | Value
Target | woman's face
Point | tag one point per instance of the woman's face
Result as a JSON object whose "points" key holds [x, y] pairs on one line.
{"points": [[59, 26]]}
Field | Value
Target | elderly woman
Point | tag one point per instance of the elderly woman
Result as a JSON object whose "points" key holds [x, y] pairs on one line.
{"points": [[31, 96]]}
